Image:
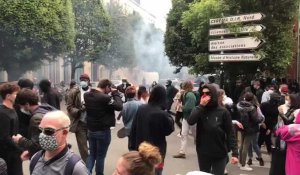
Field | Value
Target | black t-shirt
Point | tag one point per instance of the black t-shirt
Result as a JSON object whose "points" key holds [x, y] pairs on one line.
{"points": [[8, 128]]}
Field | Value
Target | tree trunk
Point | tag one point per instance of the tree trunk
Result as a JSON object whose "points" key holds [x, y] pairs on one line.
{"points": [[73, 69], [110, 73], [13, 74]]}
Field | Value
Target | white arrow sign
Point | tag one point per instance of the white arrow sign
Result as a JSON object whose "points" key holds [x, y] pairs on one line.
{"points": [[234, 57], [238, 18], [234, 44], [227, 31]]}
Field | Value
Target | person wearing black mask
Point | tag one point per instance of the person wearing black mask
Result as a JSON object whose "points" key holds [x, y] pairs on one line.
{"points": [[214, 135]]}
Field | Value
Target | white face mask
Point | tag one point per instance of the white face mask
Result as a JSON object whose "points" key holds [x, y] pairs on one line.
{"points": [[83, 84], [25, 112]]}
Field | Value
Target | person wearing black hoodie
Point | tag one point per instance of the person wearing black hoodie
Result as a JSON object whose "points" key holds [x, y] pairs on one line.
{"points": [[270, 110], [28, 101], [49, 95], [214, 136], [152, 124]]}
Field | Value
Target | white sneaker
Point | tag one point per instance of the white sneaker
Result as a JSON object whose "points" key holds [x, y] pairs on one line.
{"points": [[246, 168], [118, 122], [178, 135]]}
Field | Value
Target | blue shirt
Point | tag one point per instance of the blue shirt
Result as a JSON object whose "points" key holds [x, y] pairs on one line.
{"points": [[129, 111]]}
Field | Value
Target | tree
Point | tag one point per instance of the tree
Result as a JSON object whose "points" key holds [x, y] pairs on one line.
{"points": [[92, 27], [279, 21], [178, 45], [120, 51], [31, 31], [277, 51], [201, 12]]}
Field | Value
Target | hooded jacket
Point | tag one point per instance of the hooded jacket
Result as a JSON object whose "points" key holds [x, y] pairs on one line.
{"points": [[291, 135], [248, 117], [49, 95], [214, 137], [270, 111], [32, 144], [171, 92], [152, 124]]}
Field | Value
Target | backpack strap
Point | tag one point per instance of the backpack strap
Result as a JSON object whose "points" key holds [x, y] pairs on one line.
{"points": [[71, 164], [34, 160]]}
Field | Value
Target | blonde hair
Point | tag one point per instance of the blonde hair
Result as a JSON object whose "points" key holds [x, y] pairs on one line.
{"points": [[143, 161]]}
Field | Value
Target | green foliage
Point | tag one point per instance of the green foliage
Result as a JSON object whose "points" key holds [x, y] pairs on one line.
{"points": [[277, 51], [31, 31], [178, 45], [196, 20], [93, 32], [120, 51]]}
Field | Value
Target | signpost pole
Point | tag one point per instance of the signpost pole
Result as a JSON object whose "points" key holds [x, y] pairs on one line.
{"points": [[222, 75]]}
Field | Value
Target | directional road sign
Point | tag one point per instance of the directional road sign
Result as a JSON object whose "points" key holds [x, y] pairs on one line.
{"points": [[234, 57], [234, 44], [245, 29], [236, 19]]}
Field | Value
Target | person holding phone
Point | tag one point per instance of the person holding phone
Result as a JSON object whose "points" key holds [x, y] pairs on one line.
{"points": [[101, 104]]}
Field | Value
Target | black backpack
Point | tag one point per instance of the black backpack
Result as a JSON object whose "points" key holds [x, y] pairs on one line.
{"points": [[72, 161]]}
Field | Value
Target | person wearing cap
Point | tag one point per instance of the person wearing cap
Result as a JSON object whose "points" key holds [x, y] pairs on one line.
{"points": [[76, 108]]}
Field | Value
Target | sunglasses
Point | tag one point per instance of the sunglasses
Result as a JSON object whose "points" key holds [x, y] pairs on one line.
{"points": [[206, 93], [51, 131]]}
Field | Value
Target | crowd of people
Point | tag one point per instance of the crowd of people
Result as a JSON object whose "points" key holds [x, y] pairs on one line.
{"points": [[32, 126]]}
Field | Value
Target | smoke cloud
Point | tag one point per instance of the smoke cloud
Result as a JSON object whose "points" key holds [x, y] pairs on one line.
{"points": [[149, 50]]}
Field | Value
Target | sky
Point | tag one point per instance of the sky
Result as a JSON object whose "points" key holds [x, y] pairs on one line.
{"points": [[158, 8]]}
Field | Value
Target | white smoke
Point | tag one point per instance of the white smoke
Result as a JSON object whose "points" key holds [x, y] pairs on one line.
{"points": [[150, 50]]}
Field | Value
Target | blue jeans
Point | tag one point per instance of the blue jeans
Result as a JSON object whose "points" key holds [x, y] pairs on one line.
{"points": [[98, 146], [254, 145], [158, 171]]}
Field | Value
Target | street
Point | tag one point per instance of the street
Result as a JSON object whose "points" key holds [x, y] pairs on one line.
{"points": [[172, 166]]}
